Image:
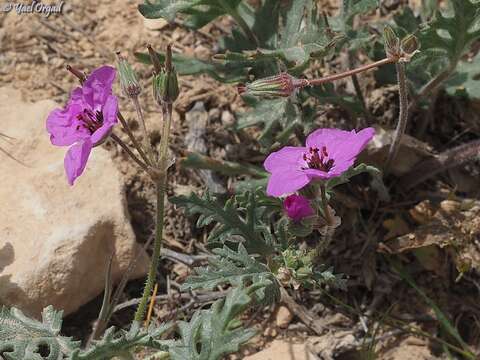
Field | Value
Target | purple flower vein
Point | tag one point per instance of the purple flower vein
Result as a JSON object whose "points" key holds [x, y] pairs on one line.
{"points": [[328, 153], [86, 121]]}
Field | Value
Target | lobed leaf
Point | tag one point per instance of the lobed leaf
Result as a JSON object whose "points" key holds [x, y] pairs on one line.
{"points": [[235, 268], [212, 334]]}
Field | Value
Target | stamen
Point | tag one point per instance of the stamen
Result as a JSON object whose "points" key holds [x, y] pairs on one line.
{"points": [[317, 159], [89, 120]]}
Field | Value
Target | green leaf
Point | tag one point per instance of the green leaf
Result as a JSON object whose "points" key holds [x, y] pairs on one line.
{"points": [[229, 168], [453, 30], [293, 14], [232, 223], [210, 334], [191, 66], [115, 343], [271, 115], [22, 337], [351, 8], [198, 12], [353, 171], [235, 268], [444, 40], [466, 79]]}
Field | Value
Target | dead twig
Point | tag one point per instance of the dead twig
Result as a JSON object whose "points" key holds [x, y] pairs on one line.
{"points": [[448, 159], [309, 319]]}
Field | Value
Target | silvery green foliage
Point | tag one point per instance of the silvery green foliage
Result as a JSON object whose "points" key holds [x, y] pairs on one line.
{"points": [[24, 338], [235, 268], [233, 222], [211, 334], [198, 12], [444, 39], [116, 343]]}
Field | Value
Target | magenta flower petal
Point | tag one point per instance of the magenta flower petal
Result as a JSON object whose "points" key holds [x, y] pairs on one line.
{"points": [[297, 207], [285, 182], [62, 124], [284, 158], [76, 159], [86, 120], [98, 86], [329, 153], [110, 111]]}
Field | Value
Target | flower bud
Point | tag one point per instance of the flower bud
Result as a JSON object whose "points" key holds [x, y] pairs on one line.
{"points": [[284, 275], [282, 85], [128, 79], [409, 44], [165, 82], [392, 42]]}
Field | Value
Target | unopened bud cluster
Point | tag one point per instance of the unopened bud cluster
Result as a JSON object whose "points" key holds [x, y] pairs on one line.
{"points": [[400, 50], [165, 82]]}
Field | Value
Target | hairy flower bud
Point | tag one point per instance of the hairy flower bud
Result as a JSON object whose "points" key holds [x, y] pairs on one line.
{"points": [[392, 42], [165, 87], [128, 79], [282, 85], [165, 82], [409, 45]]}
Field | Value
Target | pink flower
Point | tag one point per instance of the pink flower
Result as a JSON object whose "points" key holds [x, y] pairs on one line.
{"points": [[86, 121], [297, 207], [327, 154]]}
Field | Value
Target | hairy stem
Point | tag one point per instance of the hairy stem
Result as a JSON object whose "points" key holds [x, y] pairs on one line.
{"points": [[136, 144], [329, 229], [161, 184], [129, 152], [240, 21], [326, 211], [146, 141], [402, 117], [348, 73]]}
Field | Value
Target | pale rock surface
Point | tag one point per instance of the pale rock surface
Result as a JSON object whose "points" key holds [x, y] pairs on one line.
{"points": [[55, 240], [284, 350], [283, 317]]}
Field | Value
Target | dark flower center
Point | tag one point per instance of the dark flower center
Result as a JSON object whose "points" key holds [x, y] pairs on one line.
{"points": [[90, 120], [318, 159]]}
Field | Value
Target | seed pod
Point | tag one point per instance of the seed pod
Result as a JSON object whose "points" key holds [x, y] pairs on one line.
{"points": [[165, 82], [392, 42], [128, 78], [165, 87], [409, 44]]}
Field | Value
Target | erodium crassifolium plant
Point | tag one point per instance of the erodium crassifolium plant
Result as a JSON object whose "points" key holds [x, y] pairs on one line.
{"points": [[254, 234]]}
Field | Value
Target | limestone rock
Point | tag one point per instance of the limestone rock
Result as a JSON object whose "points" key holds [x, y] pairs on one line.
{"points": [[284, 350], [283, 317], [55, 240]]}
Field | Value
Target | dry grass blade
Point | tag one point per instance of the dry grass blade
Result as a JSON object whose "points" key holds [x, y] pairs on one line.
{"points": [[9, 140]]}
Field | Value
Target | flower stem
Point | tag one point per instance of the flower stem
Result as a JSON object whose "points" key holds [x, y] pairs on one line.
{"points": [[146, 141], [347, 73], [240, 21], [161, 184], [129, 152], [326, 211], [132, 138], [329, 228], [402, 116]]}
